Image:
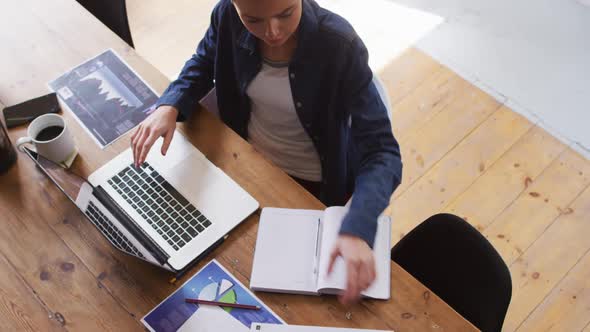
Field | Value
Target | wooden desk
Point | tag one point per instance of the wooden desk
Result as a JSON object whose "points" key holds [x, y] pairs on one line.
{"points": [[58, 273]]}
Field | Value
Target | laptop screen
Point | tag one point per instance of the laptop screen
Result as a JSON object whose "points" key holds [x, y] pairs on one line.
{"points": [[67, 181]]}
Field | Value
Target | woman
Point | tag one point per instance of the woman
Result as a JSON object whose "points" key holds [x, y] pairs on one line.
{"points": [[293, 79]]}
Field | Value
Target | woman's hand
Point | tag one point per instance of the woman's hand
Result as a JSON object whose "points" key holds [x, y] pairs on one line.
{"points": [[160, 123], [360, 266]]}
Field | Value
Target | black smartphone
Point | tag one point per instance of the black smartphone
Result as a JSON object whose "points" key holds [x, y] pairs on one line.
{"points": [[29, 110]]}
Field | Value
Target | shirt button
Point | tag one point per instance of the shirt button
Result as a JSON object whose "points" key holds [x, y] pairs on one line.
{"points": [[292, 76], [299, 105]]}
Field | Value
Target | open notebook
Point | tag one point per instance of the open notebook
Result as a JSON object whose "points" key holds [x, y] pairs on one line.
{"points": [[293, 251]]}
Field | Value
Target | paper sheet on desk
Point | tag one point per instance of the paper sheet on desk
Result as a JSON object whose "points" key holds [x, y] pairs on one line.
{"points": [[106, 96], [299, 328], [212, 283], [211, 319]]}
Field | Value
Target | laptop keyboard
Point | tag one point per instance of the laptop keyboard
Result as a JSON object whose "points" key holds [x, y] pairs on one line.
{"points": [[162, 206], [110, 231]]}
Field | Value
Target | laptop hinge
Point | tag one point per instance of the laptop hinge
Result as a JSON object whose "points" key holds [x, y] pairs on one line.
{"points": [[131, 226]]}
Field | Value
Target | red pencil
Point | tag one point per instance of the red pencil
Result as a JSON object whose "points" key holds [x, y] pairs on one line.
{"points": [[223, 304]]}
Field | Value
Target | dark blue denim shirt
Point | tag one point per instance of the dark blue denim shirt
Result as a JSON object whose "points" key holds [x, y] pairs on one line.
{"points": [[335, 98]]}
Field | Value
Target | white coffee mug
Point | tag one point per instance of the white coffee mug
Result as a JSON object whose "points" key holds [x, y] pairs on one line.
{"points": [[60, 149]]}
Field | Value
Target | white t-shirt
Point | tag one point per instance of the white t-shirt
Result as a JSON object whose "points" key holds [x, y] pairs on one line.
{"points": [[274, 128]]}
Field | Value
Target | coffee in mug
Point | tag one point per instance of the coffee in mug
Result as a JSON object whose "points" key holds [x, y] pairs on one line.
{"points": [[51, 138], [49, 133]]}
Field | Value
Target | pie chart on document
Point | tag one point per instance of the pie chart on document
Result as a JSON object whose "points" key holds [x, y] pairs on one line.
{"points": [[219, 291], [213, 318]]}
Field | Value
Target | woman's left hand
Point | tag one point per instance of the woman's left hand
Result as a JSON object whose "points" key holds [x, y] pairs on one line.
{"points": [[360, 266]]}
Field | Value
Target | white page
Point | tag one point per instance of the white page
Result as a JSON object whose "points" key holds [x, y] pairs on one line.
{"points": [[381, 287], [211, 319], [257, 327], [330, 228], [285, 250], [336, 281]]}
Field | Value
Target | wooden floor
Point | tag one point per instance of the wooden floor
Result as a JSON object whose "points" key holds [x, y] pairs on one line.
{"points": [[464, 153]]}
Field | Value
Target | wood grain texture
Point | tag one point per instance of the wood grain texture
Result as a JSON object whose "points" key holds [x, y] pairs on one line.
{"points": [[423, 148], [432, 96], [507, 178], [408, 71], [58, 277], [539, 205], [564, 308], [457, 170], [545, 264], [162, 40], [83, 282], [20, 308]]}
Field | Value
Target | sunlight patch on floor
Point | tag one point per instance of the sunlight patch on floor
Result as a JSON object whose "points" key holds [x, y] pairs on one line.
{"points": [[386, 28]]}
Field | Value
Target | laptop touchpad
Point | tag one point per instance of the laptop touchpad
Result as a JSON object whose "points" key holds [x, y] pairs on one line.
{"points": [[197, 180]]}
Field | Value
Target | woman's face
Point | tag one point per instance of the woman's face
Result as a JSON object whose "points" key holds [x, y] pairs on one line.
{"points": [[272, 21]]}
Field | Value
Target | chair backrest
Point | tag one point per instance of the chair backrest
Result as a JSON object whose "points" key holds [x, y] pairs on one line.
{"points": [[113, 14], [458, 264], [383, 93]]}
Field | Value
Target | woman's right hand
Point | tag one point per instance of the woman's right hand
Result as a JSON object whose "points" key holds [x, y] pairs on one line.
{"points": [[160, 123]]}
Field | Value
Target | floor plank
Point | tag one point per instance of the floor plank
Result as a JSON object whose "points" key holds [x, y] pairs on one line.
{"points": [[565, 308], [536, 208], [549, 260], [457, 170], [167, 34], [426, 101], [504, 180], [423, 148], [406, 72]]}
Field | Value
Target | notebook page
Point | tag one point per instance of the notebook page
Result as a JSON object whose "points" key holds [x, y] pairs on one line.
{"points": [[336, 281], [330, 228], [380, 289], [285, 250]]}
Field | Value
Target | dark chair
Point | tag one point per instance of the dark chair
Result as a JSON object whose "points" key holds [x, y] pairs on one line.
{"points": [[113, 14], [458, 264]]}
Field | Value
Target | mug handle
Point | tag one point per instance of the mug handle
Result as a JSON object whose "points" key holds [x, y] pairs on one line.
{"points": [[21, 141]]}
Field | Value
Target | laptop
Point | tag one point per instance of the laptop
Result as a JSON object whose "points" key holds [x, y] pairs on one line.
{"points": [[169, 212]]}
